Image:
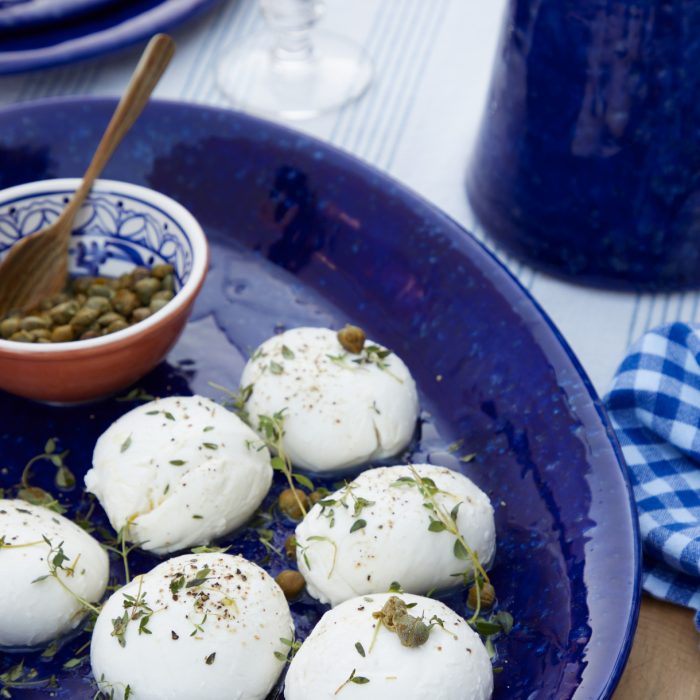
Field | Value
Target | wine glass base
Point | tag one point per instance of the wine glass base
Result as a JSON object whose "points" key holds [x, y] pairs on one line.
{"points": [[255, 80]]}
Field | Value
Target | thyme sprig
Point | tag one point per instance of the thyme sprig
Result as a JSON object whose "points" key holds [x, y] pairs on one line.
{"points": [[135, 609], [208, 549], [19, 677], [493, 627], [64, 478], [272, 430], [236, 400], [106, 690], [260, 523], [369, 355], [121, 547], [319, 538], [6, 545], [442, 520], [38, 497], [328, 506], [352, 678], [293, 645], [56, 560], [137, 394]]}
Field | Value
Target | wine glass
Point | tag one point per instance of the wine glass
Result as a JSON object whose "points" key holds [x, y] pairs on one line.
{"points": [[291, 70]]}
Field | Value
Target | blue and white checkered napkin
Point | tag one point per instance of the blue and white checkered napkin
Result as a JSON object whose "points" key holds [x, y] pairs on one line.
{"points": [[654, 405]]}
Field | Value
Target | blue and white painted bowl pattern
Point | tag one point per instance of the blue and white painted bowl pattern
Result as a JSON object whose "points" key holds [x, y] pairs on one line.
{"points": [[112, 233]]}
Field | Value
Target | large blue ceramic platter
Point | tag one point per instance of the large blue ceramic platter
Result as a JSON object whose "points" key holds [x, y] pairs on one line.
{"points": [[302, 234], [111, 26]]}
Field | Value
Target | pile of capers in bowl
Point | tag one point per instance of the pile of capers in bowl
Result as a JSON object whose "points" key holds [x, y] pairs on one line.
{"points": [[91, 307]]}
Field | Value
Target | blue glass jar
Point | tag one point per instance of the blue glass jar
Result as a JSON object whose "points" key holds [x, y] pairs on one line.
{"points": [[588, 160]]}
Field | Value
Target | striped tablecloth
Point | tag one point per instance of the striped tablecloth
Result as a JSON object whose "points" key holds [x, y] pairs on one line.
{"points": [[418, 122]]}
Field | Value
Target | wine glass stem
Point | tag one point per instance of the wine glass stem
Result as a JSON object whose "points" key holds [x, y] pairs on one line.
{"points": [[291, 22]]}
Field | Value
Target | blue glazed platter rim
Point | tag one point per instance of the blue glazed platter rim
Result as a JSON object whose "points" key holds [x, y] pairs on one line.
{"points": [[601, 677], [87, 38]]}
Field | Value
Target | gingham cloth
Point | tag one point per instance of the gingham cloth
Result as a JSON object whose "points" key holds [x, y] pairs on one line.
{"points": [[654, 406]]}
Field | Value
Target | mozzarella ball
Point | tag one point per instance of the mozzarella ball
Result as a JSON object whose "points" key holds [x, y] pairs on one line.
{"points": [[340, 410], [374, 531], [34, 607], [180, 471], [206, 626], [451, 665]]}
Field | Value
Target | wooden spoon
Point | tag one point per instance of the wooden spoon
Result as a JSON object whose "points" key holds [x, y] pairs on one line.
{"points": [[37, 266]]}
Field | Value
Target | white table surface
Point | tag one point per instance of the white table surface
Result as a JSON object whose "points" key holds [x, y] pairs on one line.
{"points": [[418, 122]]}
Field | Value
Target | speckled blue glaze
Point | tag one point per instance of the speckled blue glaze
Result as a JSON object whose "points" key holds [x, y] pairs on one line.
{"points": [[588, 161], [303, 234], [107, 29]]}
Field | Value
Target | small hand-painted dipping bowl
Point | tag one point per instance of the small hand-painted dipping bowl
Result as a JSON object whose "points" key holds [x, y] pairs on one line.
{"points": [[119, 227]]}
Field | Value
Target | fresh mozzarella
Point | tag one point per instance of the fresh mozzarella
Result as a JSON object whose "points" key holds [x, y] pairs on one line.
{"points": [[339, 411], [340, 557], [179, 471], [207, 626], [451, 665], [34, 607]]}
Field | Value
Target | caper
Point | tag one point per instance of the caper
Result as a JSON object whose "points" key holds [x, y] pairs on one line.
{"points": [[125, 281], [125, 301], [168, 283], [62, 334], [317, 495], [146, 288], [164, 294], [157, 305], [64, 312], [83, 318], [290, 547], [40, 334], [90, 333], [393, 609], [352, 339], [412, 631], [9, 326], [487, 596], [82, 284], [118, 325], [31, 323], [100, 304], [161, 271], [100, 290], [291, 582], [21, 337], [138, 273], [52, 301], [109, 318], [289, 502], [140, 314]]}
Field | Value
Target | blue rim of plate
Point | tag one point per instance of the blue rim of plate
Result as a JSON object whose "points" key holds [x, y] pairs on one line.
{"points": [[587, 405], [80, 40], [29, 13]]}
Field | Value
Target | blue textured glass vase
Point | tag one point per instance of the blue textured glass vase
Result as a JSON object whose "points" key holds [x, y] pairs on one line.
{"points": [[588, 160]]}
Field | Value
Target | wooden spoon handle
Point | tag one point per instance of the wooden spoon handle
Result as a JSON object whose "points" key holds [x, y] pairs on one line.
{"points": [[154, 61]]}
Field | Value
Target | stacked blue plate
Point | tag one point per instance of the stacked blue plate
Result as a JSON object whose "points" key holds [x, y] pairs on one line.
{"points": [[43, 33]]}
